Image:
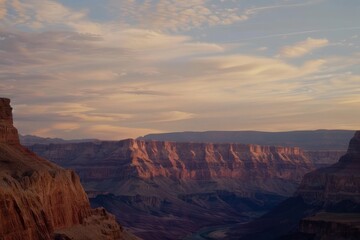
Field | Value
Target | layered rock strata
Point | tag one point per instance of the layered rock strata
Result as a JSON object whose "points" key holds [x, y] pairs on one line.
{"points": [[325, 206], [184, 161], [38, 198], [166, 190], [335, 183]]}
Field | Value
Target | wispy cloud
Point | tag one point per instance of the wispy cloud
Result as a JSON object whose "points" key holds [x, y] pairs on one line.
{"points": [[302, 48], [142, 69], [172, 15]]}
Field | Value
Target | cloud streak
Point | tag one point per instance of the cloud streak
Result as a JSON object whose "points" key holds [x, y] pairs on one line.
{"points": [[302, 48]]}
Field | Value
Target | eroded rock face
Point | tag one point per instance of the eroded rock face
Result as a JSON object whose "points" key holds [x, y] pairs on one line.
{"points": [[38, 197], [166, 190], [337, 182], [193, 161], [326, 205], [8, 133]]}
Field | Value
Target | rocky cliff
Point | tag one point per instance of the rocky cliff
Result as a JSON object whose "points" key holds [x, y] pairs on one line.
{"points": [[182, 161], [8, 133], [166, 190], [335, 183], [325, 206], [39, 200], [336, 190]]}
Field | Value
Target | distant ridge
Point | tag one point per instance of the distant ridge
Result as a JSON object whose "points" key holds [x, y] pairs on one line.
{"points": [[29, 140], [308, 140]]}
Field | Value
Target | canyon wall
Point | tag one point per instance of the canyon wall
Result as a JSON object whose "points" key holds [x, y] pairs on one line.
{"points": [[166, 190], [335, 183], [325, 206], [130, 158], [39, 200]]}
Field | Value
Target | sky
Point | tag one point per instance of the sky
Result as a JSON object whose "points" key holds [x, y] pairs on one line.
{"points": [[114, 69]]}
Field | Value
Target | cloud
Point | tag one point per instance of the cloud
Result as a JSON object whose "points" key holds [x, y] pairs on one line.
{"points": [[173, 16], [46, 15], [170, 116], [177, 15], [243, 69], [72, 76], [302, 48]]}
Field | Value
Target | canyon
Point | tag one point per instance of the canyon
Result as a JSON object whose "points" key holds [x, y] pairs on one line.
{"points": [[169, 190], [166, 190], [325, 206], [40, 200]]}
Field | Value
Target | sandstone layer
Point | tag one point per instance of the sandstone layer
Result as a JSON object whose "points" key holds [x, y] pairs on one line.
{"points": [[130, 158], [166, 190], [38, 198]]}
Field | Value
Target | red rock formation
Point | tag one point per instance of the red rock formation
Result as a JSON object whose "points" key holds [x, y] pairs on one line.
{"points": [[8, 133], [337, 190], [337, 182], [38, 198], [196, 161], [167, 189], [326, 205]]}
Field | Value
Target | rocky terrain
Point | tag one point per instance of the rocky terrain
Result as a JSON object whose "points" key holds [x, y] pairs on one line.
{"points": [[325, 206], [39, 200], [166, 190]]}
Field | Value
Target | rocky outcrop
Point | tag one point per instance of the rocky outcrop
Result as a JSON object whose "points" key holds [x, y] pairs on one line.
{"points": [[341, 181], [38, 198], [329, 226], [8, 133], [336, 190], [325, 206]]}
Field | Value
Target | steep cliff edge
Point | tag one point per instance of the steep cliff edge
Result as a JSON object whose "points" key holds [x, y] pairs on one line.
{"points": [[128, 159], [325, 206], [336, 189], [335, 183], [38, 199], [166, 190]]}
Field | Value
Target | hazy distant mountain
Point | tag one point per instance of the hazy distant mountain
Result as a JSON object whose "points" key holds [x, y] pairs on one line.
{"points": [[307, 140], [28, 140]]}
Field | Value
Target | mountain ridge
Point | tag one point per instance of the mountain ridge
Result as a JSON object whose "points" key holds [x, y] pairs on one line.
{"points": [[306, 139]]}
